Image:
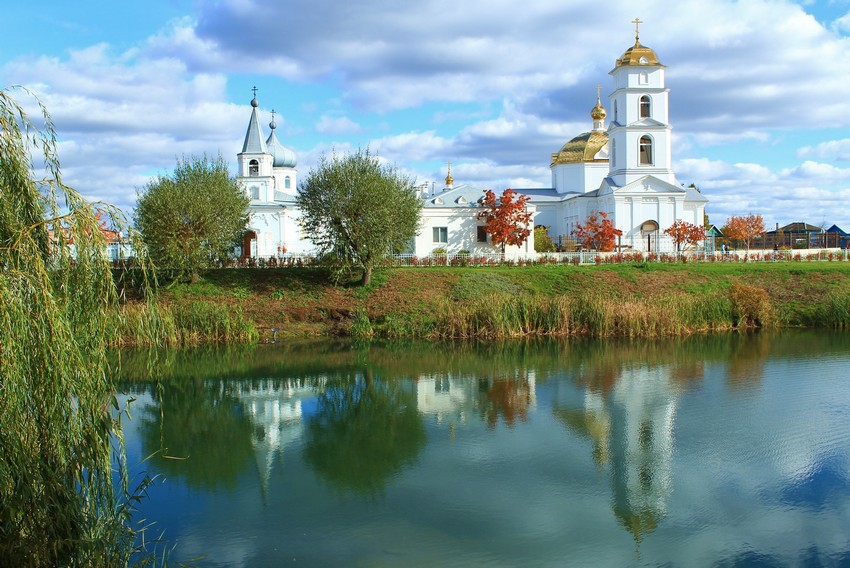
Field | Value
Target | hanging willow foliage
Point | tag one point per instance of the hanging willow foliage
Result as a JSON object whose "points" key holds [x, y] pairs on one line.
{"points": [[60, 431]]}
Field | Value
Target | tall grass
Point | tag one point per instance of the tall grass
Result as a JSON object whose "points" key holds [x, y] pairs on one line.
{"points": [[500, 316], [833, 311], [181, 324]]}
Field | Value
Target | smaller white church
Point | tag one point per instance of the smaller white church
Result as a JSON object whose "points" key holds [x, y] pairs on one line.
{"points": [[623, 169]]}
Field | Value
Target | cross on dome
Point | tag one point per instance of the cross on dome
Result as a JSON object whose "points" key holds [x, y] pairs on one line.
{"points": [[637, 22]]}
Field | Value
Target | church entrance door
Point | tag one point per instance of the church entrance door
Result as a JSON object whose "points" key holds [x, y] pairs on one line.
{"points": [[649, 235], [249, 244]]}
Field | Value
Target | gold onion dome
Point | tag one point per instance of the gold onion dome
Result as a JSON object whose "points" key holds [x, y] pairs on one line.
{"points": [[638, 55], [582, 148], [598, 112]]}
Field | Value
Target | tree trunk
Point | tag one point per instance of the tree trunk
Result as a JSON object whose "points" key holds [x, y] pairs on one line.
{"points": [[367, 276]]}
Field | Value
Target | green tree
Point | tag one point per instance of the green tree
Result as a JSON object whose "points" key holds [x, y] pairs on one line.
{"points": [[357, 211], [542, 241], [58, 504], [193, 217]]}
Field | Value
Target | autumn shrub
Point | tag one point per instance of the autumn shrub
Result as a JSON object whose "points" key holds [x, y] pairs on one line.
{"points": [[751, 305]]}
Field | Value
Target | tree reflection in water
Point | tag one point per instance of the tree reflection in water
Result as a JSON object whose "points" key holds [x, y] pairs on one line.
{"points": [[505, 397], [199, 433], [364, 432]]}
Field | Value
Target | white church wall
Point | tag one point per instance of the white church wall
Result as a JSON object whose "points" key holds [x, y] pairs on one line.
{"points": [[582, 177]]}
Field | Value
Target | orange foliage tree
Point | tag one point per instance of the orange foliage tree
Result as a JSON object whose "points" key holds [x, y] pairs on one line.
{"points": [[506, 217], [597, 233], [744, 229], [683, 232]]}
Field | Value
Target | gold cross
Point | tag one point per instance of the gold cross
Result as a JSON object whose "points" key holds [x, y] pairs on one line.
{"points": [[598, 93], [637, 23]]}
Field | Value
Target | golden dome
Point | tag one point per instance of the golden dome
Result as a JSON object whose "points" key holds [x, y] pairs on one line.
{"points": [[449, 179], [582, 148], [638, 55], [598, 112]]}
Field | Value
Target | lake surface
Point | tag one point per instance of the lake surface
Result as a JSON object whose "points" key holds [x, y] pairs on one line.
{"points": [[720, 451]]}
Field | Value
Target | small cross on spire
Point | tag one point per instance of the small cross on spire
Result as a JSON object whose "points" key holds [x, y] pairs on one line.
{"points": [[254, 90], [598, 93], [637, 22]]}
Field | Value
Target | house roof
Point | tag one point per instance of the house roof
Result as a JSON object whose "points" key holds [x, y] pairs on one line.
{"points": [[460, 196], [839, 230], [799, 227]]}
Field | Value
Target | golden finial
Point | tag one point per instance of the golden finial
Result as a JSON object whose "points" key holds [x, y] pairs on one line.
{"points": [[449, 180], [598, 112], [637, 22]]}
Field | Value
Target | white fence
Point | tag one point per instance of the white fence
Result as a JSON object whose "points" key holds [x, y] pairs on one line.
{"points": [[565, 258]]}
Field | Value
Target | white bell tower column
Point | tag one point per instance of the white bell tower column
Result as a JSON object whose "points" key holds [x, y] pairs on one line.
{"points": [[639, 131]]}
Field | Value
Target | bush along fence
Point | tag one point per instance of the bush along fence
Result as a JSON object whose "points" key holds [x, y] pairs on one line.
{"points": [[583, 258]]}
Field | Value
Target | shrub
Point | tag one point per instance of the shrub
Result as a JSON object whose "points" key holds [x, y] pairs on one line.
{"points": [[751, 305]]}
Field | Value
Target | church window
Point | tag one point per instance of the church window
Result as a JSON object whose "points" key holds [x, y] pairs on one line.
{"points": [[644, 106], [643, 79], [441, 234], [481, 235], [255, 192], [613, 152], [645, 151], [253, 168], [287, 183], [615, 111]]}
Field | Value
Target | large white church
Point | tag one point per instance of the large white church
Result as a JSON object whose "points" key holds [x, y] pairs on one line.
{"points": [[624, 170]]}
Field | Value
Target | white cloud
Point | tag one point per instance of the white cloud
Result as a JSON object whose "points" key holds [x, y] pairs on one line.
{"points": [[830, 150], [842, 24], [336, 125]]}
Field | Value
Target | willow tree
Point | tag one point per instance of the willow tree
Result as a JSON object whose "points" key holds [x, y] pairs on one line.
{"points": [[58, 419], [357, 210]]}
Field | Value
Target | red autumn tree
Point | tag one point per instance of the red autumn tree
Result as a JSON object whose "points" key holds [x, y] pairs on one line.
{"points": [[744, 229], [506, 217], [683, 232], [597, 233]]}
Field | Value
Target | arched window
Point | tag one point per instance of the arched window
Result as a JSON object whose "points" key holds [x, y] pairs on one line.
{"points": [[613, 155], [255, 192], [644, 106], [615, 111], [253, 168], [287, 183], [645, 151]]}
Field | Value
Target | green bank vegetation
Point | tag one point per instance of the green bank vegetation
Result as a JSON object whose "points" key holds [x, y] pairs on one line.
{"points": [[630, 300]]}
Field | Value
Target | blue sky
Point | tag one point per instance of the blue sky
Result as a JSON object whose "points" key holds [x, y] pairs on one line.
{"points": [[759, 90]]}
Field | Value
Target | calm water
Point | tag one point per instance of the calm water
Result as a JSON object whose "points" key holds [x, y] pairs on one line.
{"points": [[730, 451]]}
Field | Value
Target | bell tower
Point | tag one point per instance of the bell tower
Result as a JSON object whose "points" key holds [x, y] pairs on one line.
{"points": [[640, 130]]}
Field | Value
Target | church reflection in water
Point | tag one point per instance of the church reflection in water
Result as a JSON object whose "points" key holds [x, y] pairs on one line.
{"points": [[456, 398], [357, 430], [628, 414]]}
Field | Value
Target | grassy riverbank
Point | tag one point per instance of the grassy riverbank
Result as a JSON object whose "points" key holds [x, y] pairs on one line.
{"points": [[647, 299]]}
